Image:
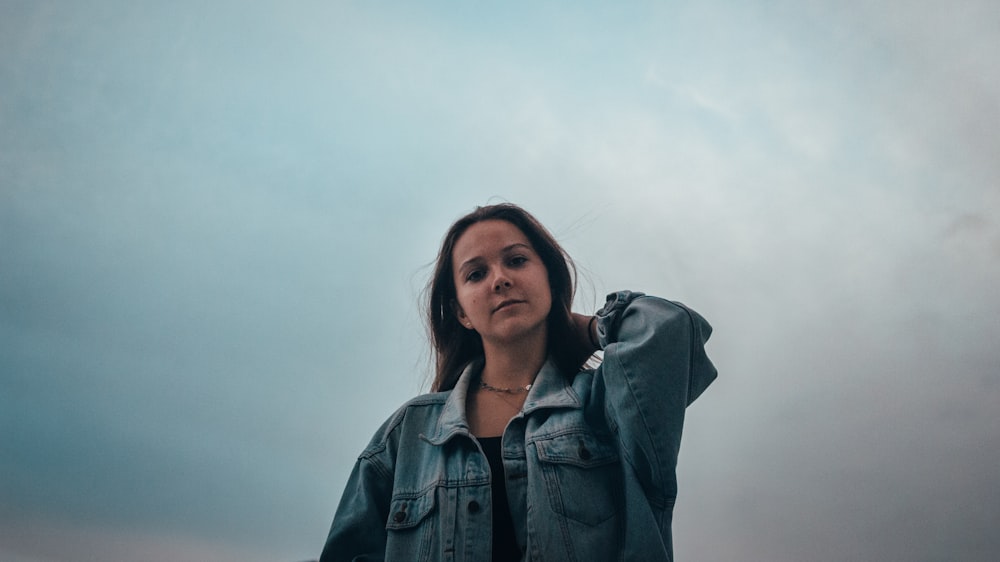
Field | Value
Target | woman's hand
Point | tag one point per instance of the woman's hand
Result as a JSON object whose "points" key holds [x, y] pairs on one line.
{"points": [[586, 330]]}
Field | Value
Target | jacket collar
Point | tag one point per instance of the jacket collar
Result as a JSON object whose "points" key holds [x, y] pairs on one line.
{"points": [[452, 420], [550, 390]]}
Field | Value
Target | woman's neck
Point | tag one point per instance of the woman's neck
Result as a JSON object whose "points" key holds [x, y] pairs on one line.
{"points": [[514, 364]]}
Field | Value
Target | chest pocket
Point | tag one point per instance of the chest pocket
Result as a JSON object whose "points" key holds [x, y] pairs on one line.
{"points": [[410, 525], [582, 476]]}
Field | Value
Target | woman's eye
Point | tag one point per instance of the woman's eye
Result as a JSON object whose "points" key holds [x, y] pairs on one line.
{"points": [[518, 260], [474, 275]]}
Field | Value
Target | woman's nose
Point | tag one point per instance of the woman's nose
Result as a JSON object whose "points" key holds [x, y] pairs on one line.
{"points": [[501, 283]]}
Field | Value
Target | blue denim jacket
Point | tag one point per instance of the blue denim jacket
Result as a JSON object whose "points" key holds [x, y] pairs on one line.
{"points": [[589, 462]]}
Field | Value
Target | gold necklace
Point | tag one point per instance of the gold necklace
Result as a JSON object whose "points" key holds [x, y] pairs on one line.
{"points": [[515, 390]]}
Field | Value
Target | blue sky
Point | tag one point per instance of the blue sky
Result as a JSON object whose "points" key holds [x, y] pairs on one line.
{"points": [[216, 221]]}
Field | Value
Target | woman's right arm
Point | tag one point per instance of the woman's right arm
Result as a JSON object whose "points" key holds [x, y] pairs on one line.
{"points": [[358, 532]]}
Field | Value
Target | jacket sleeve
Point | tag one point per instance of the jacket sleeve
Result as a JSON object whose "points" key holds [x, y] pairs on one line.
{"points": [[358, 532], [654, 367]]}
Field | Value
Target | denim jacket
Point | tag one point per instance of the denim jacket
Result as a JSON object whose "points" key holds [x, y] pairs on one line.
{"points": [[590, 461]]}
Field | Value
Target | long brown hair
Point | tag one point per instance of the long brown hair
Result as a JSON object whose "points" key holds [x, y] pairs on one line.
{"points": [[455, 346]]}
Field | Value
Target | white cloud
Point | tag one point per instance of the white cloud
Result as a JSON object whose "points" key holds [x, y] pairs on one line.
{"points": [[223, 242]]}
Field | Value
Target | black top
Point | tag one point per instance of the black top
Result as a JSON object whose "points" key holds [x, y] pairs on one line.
{"points": [[505, 547]]}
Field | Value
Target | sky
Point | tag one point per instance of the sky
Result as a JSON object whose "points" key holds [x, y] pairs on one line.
{"points": [[216, 221]]}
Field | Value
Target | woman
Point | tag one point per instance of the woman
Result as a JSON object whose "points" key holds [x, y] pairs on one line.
{"points": [[523, 453]]}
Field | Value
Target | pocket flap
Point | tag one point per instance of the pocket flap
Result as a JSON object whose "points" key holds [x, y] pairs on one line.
{"points": [[579, 449], [407, 510]]}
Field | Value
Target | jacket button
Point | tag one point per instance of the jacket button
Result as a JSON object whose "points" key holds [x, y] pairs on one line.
{"points": [[399, 516], [584, 453], [473, 506]]}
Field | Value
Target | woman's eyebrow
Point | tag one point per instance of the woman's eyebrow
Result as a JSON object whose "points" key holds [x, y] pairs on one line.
{"points": [[470, 262], [515, 245]]}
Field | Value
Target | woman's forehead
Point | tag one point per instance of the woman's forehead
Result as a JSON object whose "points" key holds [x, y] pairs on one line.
{"points": [[488, 237]]}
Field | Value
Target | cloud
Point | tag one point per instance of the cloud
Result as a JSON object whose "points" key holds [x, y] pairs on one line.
{"points": [[214, 229]]}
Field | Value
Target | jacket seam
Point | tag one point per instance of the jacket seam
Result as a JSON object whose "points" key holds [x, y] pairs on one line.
{"points": [[397, 419]]}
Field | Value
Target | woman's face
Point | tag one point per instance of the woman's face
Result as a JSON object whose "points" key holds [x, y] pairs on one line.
{"points": [[501, 285]]}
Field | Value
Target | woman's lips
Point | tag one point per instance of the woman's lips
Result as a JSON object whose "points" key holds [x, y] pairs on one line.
{"points": [[505, 304]]}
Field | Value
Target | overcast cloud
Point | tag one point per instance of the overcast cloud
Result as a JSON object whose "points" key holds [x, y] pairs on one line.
{"points": [[216, 221]]}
